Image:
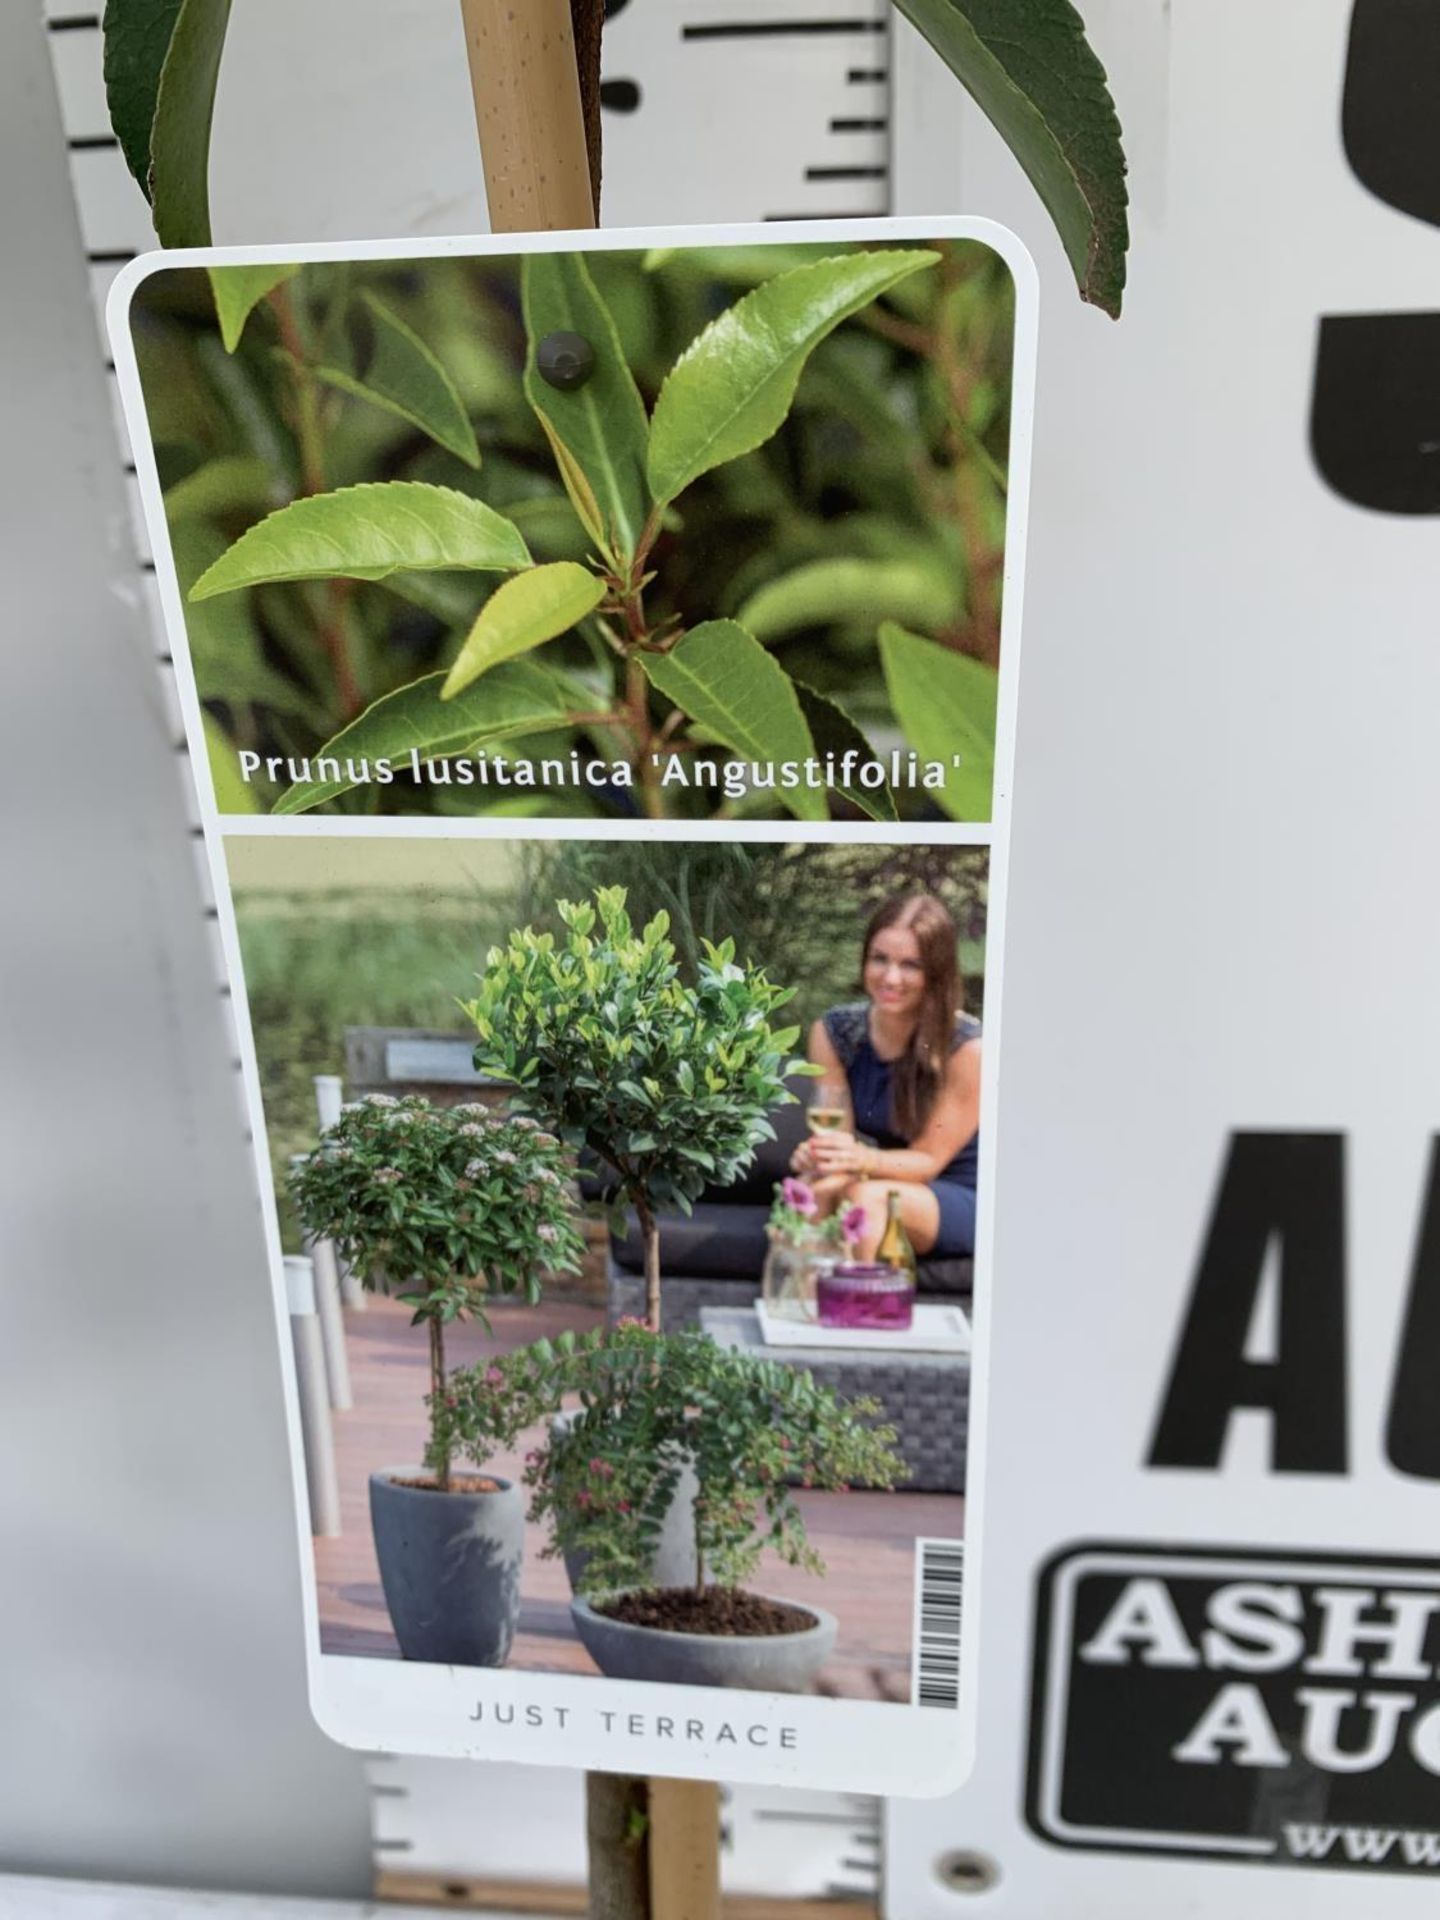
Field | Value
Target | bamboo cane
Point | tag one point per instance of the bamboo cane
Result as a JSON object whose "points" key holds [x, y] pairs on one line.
{"points": [[684, 1850], [528, 109]]}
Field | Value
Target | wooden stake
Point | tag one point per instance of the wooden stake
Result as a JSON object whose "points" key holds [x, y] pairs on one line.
{"points": [[528, 109], [684, 1850]]}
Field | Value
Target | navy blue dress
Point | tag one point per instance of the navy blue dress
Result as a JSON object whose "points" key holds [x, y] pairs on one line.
{"points": [[870, 1099]]}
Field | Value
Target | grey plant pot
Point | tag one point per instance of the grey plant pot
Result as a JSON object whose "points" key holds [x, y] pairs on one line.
{"points": [[450, 1566], [779, 1663]]}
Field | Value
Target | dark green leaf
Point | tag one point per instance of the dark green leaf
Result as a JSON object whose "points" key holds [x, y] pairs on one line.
{"points": [[137, 38], [602, 424], [1032, 71], [946, 703], [225, 648], [237, 291], [536, 606], [180, 131], [235, 482], [515, 698], [733, 386], [405, 378], [723, 678], [835, 733], [366, 533]]}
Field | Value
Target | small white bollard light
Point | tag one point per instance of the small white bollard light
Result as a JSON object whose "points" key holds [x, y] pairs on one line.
{"points": [[329, 1097], [313, 1388], [326, 1264]]}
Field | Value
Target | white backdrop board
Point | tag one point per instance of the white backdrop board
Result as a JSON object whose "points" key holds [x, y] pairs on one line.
{"points": [[1221, 913], [1223, 924]]}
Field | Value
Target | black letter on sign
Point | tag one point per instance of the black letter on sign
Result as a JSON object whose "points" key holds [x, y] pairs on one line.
{"points": [[1375, 414], [1287, 1187], [1412, 1435]]}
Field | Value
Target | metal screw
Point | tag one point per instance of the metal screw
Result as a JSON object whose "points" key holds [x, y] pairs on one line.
{"points": [[565, 360], [966, 1872]]}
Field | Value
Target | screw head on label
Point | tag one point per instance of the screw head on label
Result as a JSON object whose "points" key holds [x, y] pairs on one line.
{"points": [[565, 360], [965, 1872]]}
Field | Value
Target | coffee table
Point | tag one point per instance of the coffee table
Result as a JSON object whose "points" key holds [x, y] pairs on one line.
{"points": [[925, 1396]]}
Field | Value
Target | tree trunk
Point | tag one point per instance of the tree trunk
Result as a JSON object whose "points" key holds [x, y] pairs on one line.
{"points": [[617, 1828], [437, 1388], [588, 20], [650, 1234]]}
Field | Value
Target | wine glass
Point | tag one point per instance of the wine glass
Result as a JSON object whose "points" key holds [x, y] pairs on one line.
{"points": [[828, 1105]]}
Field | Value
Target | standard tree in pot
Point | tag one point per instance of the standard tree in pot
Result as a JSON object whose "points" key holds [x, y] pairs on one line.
{"points": [[446, 1208], [669, 1082], [651, 1406]]}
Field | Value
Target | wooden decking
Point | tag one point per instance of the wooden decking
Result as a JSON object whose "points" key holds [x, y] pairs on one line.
{"points": [[866, 1538]]}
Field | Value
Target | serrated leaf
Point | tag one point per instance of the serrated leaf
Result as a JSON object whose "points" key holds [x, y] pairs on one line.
{"points": [[836, 734], [536, 606], [180, 131], [233, 794], [823, 592], [946, 704], [723, 678], [367, 533], [405, 378], [516, 698], [602, 423], [1032, 71], [733, 386], [237, 291], [137, 38]]}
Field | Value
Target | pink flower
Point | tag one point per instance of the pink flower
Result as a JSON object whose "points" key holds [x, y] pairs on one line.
{"points": [[797, 1194], [623, 1506], [494, 1377], [852, 1224]]}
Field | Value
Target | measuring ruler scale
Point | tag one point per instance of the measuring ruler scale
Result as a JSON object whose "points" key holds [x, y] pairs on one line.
{"points": [[746, 109]]}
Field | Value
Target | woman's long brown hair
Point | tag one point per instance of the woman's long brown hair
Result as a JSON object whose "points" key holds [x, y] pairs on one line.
{"points": [[917, 1074]]}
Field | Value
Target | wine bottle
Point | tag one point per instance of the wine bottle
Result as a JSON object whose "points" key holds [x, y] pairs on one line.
{"points": [[895, 1249]]}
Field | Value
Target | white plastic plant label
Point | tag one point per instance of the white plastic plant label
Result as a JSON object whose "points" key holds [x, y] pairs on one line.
{"points": [[598, 661]]}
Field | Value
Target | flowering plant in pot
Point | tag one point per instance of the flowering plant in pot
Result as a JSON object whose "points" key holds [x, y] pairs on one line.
{"points": [[669, 1083], [652, 1406], [445, 1208]]}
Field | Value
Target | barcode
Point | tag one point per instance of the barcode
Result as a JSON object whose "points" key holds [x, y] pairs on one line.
{"points": [[937, 1622]]}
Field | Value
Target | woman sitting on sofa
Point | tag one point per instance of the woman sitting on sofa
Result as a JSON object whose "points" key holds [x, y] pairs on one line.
{"points": [[910, 1060]]}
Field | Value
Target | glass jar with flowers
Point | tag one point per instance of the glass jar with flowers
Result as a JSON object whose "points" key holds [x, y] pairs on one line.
{"points": [[804, 1244]]}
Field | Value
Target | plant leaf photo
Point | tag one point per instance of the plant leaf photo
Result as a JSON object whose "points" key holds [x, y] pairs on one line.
{"points": [[742, 512]]}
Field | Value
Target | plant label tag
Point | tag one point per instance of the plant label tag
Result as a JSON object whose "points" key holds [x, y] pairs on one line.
{"points": [[598, 660]]}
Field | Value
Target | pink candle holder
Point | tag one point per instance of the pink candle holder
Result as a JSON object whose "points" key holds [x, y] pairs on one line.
{"points": [[859, 1294]]}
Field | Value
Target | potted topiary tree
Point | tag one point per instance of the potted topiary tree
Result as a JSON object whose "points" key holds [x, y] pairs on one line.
{"points": [[652, 1407], [446, 1208], [669, 1083]]}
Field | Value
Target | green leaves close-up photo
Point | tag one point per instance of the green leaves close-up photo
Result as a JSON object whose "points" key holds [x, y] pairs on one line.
{"points": [[690, 533]]}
